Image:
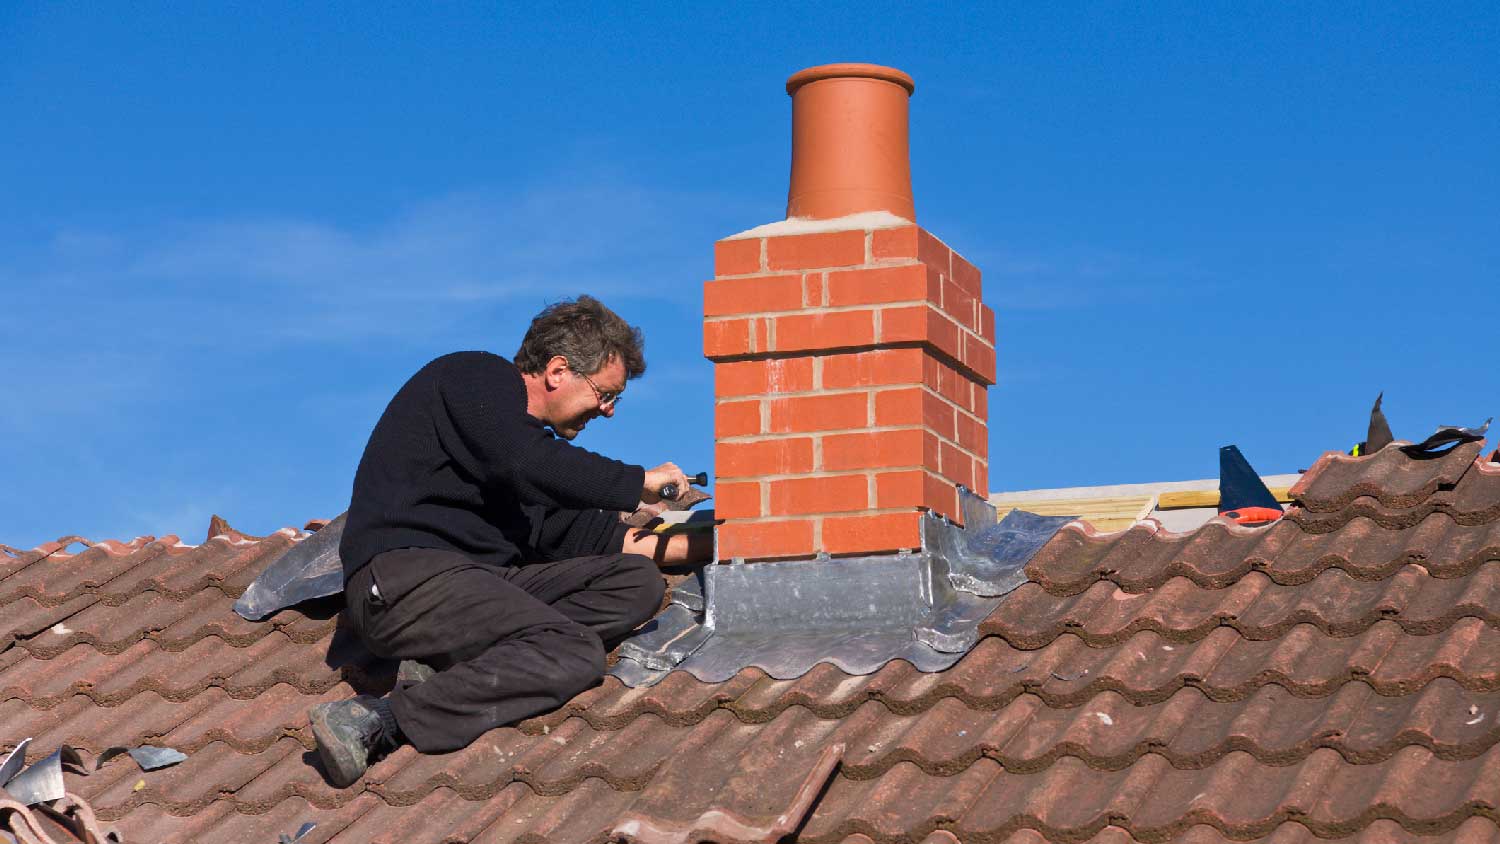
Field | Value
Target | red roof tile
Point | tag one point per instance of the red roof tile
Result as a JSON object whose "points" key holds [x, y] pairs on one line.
{"points": [[1333, 675]]}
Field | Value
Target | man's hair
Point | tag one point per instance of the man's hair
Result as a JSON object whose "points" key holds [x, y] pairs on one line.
{"points": [[586, 333]]}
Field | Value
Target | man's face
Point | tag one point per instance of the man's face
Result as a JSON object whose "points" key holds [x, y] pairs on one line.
{"points": [[577, 402]]}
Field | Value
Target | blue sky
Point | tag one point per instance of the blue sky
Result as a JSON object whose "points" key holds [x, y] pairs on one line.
{"points": [[228, 235]]}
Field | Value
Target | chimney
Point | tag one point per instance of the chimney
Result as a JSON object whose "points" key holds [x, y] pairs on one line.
{"points": [[851, 349]]}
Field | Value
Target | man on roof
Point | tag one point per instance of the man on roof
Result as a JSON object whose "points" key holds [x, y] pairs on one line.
{"points": [[486, 550]]}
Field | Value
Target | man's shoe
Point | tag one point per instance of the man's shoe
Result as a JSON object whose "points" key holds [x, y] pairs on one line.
{"points": [[348, 733]]}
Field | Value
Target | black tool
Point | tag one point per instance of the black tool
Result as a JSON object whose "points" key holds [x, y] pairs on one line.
{"points": [[669, 491]]}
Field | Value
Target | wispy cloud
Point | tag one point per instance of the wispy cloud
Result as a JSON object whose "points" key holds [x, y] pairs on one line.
{"points": [[271, 280], [126, 317]]}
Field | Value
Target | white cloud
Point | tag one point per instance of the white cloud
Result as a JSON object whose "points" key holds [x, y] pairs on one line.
{"points": [[272, 280]]}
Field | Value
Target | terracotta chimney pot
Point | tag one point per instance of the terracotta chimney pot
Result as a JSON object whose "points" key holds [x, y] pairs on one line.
{"points": [[850, 149]]}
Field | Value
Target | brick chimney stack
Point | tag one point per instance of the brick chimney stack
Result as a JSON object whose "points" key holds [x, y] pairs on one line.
{"points": [[851, 349]]}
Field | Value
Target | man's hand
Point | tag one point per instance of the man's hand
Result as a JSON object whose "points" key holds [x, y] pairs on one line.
{"points": [[666, 473]]}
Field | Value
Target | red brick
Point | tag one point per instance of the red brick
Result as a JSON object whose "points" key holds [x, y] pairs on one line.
{"points": [[836, 330], [942, 497], [760, 540], [915, 488], [737, 500], [870, 534], [874, 450], [982, 478], [956, 466], [933, 252], [878, 285], [937, 415], [979, 358], [815, 251], [815, 496], [960, 305], [736, 418], [943, 333], [966, 275], [763, 457], [982, 406], [813, 290], [914, 406], [919, 323], [931, 450], [949, 383], [873, 368], [902, 325], [899, 489], [737, 257], [973, 436], [755, 377], [899, 407], [987, 323], [820, 413], [726, 338], [753, 295], [932, 370], [894, 243]]}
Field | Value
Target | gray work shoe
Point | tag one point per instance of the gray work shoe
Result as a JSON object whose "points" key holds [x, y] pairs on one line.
{"points": [[349, 734], [411, 672]]}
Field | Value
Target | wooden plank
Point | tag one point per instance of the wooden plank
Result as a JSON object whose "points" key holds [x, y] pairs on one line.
{"points": [[1208, 498], [1087, 507], [1105, 514]]}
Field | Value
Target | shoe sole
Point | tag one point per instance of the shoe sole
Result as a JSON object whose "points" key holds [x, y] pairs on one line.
{"points": [[343, 768]]}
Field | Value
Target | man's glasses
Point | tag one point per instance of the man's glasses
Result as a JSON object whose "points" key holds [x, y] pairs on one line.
{"points": [[606, 400]]}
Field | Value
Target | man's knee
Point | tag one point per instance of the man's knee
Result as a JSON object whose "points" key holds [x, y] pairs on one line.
{"points": [[579, 660], [648, 586]]}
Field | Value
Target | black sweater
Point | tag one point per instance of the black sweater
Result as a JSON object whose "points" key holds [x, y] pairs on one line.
{"points": [[457, 463]]}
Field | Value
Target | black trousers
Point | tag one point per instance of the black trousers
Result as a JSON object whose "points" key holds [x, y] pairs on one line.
{"points": [[507, 642]]}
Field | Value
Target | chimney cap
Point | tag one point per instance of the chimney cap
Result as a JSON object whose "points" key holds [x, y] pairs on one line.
{"points": [[850, 70]]}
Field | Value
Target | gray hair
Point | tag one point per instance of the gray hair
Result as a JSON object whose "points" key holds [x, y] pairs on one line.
{"points": [[586, 333]]}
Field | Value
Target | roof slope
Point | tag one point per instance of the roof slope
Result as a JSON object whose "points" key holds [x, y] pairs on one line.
{"points": [[1336, 674]]}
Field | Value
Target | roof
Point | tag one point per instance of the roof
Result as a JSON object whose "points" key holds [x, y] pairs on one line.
{"points": [[1335, 674]]}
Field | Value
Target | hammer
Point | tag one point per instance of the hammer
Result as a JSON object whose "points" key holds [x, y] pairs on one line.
{"points": [[669, 491]]}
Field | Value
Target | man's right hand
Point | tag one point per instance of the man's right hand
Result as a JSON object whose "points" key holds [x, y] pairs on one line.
{"points": [[666, 473]]}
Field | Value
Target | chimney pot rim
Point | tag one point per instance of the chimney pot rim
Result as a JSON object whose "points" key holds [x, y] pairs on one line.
{"points": [[850, 70]]}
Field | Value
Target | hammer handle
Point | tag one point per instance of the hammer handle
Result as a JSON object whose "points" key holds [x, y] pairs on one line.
{"points": [[669, 491]]}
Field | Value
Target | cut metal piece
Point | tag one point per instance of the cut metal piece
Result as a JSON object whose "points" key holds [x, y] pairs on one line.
{"points": [[310, 569], [1445, 438], [301, 833], [43, 781], [14, 761], [856, 613], [150, 758]]}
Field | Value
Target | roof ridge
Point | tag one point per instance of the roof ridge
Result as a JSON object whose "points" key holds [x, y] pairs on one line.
{"points": [[1396, 479]]}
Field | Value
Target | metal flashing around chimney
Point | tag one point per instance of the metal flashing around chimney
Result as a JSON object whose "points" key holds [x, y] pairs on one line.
{"points": [[857, 613]]}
